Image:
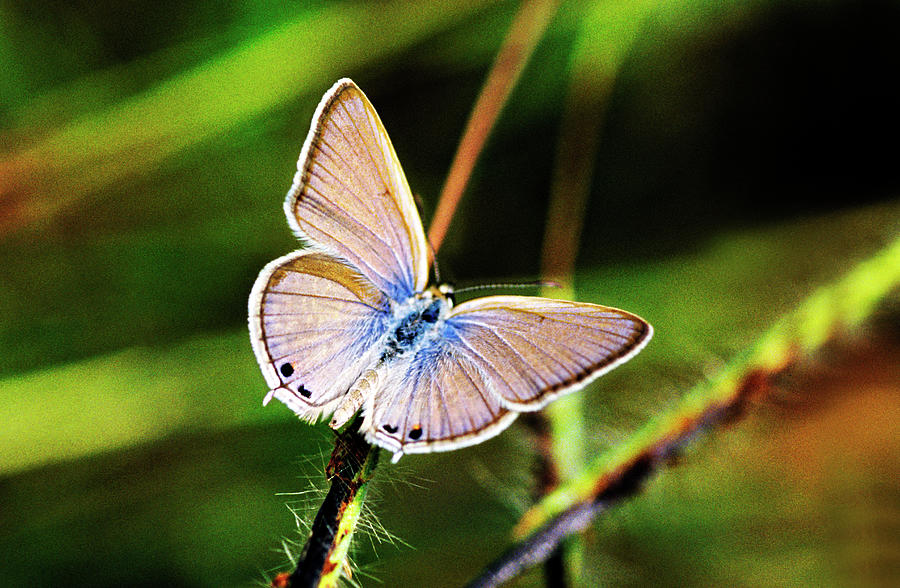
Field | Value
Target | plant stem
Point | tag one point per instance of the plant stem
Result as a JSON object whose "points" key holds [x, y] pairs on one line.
{"points": [[324, 558], [526, 30], [605, 37], [619, 473]]}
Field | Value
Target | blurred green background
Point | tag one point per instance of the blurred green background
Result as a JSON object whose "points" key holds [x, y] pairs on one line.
{"points": [[747, 155]]}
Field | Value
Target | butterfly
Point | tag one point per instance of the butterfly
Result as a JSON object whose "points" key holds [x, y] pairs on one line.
{"points": [[349, 323]]}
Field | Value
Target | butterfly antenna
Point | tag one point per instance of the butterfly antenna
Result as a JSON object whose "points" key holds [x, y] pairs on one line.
{"points": [[437, 270], [434, 259], [534, 284]]}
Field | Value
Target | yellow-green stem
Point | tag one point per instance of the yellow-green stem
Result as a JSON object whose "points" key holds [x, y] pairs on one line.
{"points": [[830, 310], [337, 562], [324, 558]]}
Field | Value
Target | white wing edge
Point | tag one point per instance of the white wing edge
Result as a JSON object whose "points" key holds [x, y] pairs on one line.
{"points": [[532, 407], [299, 407], [372, 436], [297, 183]]}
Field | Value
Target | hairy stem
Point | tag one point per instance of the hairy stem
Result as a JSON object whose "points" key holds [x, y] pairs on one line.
{"points": [[324, 558]]}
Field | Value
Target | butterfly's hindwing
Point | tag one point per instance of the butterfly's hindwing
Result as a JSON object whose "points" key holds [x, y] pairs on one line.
{"points": [[434, 399], [315, 324]]}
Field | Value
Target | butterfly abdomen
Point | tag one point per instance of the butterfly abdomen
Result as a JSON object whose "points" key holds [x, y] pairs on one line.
{"points": [[412, 324], [355, 398]]}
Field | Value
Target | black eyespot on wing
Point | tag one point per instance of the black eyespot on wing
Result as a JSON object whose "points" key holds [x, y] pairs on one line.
{"points": [[390, 429], [415, 432], [286, 370], [303, 391]]}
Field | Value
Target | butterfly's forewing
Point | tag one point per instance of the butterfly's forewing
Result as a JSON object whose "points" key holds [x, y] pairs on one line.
{"points": [[433, 400], [315, 324], [350, 196], [532, 350]]}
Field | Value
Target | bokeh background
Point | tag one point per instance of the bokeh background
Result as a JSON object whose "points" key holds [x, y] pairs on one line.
{"points": [[747, 154]]}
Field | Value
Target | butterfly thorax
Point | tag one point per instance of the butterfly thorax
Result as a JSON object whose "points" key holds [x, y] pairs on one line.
{"points": [[415, 321]]}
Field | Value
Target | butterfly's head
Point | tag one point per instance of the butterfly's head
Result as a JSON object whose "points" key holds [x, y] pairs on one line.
{"points": [[443, 292], [446, 291]]}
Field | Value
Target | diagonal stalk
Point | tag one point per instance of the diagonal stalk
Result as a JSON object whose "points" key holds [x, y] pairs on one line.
{"points": [[620, 472], [527, 29]]}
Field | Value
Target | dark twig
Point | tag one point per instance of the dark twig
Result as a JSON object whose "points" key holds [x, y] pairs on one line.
{"points": [[546, 477], [543, 543], [324, 558]]}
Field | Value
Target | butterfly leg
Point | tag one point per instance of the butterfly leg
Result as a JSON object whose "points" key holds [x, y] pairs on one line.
{"points": [[355, 398]]}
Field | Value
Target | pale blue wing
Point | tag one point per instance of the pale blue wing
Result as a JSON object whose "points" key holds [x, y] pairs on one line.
{"points": [[532, 350], [351, 198], [435, 399], [315, 325]]}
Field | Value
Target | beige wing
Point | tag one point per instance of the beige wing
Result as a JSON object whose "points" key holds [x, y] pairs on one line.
{"points": [[435, 399], [532, 350], [351, 198], [315, 326]]}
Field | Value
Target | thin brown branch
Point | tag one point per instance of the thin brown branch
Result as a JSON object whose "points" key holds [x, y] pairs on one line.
{"points": [[546, 474], [526, 30]]}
